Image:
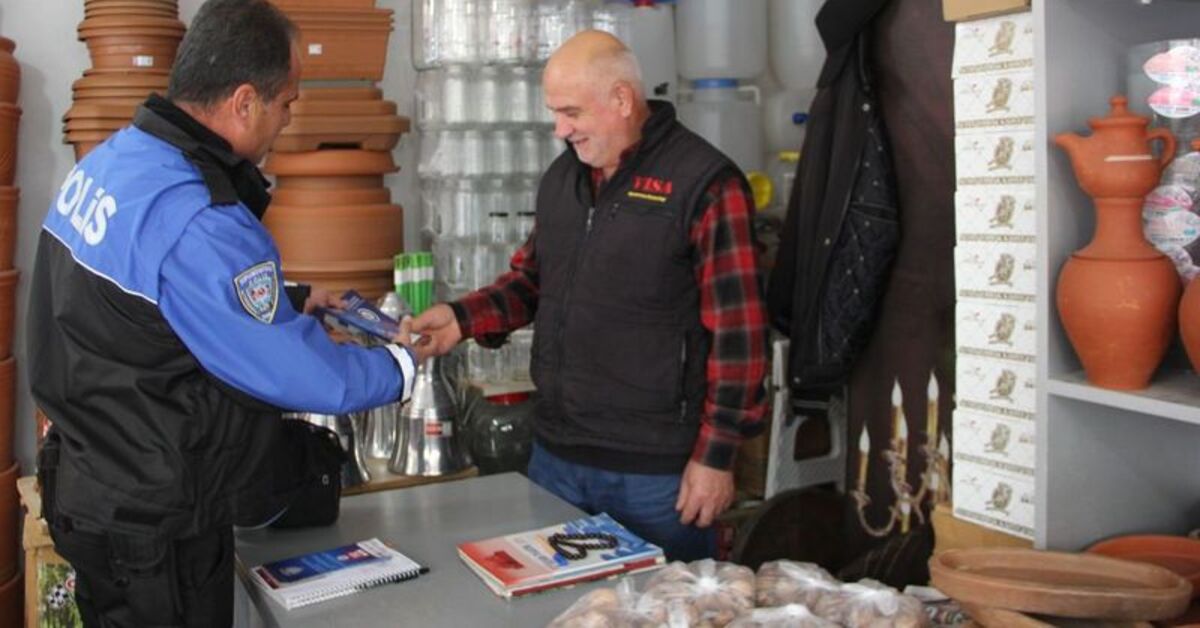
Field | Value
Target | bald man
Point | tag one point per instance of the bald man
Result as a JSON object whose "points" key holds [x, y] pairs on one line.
{"points": [[650, 335]]}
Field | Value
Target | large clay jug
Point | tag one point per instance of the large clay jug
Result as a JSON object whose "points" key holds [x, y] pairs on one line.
{"points": [[10, 72], [1118, 296], [1189, 323]]}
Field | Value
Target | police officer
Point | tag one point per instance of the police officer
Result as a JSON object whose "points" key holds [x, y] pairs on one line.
{"points": [[163, 343]]}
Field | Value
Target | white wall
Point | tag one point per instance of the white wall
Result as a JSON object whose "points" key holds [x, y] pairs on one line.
{"points": [[52, 57]]}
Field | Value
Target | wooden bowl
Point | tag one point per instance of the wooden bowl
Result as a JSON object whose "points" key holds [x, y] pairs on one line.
{"points": [[1061, 584]]}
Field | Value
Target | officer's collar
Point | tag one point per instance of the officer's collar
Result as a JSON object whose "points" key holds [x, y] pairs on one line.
{"points": [[228, 177]]}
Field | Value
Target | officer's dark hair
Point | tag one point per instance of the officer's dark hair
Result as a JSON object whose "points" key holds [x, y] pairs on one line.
{"points": [[231, 43]]}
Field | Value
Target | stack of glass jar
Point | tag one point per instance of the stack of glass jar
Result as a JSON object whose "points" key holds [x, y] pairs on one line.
{"points": [[486, 137]]}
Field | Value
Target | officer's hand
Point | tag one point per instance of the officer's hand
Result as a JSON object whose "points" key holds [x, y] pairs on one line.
{"points": [[438, 329], [320, 297], [704, 493]]}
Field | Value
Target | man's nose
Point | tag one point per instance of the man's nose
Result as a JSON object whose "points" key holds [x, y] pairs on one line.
{"points": [[562, 129]]}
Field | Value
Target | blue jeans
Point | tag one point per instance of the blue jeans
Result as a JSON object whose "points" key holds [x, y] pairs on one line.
{"points": [[643, 503]]}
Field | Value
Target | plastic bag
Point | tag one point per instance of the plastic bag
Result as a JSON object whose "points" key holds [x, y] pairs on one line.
{"points": [[713, 593], [790, 616], [871, 604], [783, 582], [606, 608]]}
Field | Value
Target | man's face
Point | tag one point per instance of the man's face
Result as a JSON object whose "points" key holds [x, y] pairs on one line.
{"points": [[587, 117], [271, 116]]}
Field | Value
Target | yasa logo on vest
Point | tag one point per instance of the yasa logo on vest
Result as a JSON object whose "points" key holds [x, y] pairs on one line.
{"points": [[89, 211], [650, 189]]}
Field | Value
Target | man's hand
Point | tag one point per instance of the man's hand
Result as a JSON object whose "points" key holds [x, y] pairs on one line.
{"points": [[704, 493], [438, 329], [320, 297]]}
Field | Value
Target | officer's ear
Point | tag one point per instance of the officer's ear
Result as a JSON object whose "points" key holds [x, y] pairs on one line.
{"points": [[245, 105]]}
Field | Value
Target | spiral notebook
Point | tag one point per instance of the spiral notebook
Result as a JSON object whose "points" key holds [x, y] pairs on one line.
{"points": [[328, 574]]}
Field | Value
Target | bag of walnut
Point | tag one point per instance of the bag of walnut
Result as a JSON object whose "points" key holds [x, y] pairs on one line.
{"points": [[871, 604], [713, 593]]}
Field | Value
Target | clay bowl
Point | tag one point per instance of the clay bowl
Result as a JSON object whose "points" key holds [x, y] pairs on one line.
{"points": [[111, 97], [127, 74], [1003, 618], [128, 23], [10, 120], [149, 4], [10, 199], [330, 183], [330, 163], [308, 235], [343, 108], [341, 93], [352, 196], [99, 110], [131, 12], [1177, 553], [1060, 584], [371, 278], [108, 125]]}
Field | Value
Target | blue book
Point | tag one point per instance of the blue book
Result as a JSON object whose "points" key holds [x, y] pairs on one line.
{"points": [[360, 318], [332, 573]]}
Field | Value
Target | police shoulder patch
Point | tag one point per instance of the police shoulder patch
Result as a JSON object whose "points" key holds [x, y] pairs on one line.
{"points": [[258, 289]]}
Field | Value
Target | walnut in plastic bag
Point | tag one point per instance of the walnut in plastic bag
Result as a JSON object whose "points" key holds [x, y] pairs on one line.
{"points": [[790, 616], [871, 604], [605, 608], [782, 582], [717, 592]]}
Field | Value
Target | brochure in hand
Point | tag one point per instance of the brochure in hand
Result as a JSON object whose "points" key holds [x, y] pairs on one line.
{"points": [[585, 549], [332, 573], [361, 318]]}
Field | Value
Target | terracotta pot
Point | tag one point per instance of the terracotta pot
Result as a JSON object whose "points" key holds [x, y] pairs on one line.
{"points": [[1189, 325], [330, 162], [133, 79], [1115, 161], [127, 74], [8, 378], [342, 108], [308, 235], [317, 182], [330, 52], [131, 23], [10, 511], [8, 289], [351, 196], [366, 132], [10, 72], [341, 93], [10, 119], [370, 278], [10, 198], [82, 148], [12, 601]]}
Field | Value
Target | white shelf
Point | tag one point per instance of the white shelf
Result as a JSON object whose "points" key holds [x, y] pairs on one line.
{"points": [[1171, 395]]}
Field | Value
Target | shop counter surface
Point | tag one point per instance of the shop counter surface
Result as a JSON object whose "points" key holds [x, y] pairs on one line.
{"points": [[426, 523]]}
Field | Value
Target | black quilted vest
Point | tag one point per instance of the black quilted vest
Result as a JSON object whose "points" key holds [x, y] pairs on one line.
{"points": [[619, 352]]}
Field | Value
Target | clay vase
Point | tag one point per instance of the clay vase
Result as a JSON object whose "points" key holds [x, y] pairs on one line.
{"points": [[1189, 323], [1118, 296], [10, 72]]}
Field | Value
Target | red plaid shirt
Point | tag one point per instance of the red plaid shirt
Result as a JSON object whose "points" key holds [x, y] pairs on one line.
{"points": [[731, 308]]}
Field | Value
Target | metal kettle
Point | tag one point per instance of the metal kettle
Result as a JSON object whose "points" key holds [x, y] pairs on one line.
{"points": [[429, 447]]}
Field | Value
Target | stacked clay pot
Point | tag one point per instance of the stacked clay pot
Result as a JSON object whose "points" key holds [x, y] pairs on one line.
{"points": [[132, 45], [331, 214], [11, 591]]}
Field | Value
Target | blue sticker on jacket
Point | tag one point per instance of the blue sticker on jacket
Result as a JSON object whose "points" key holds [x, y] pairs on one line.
{"points": [[258, 290]]}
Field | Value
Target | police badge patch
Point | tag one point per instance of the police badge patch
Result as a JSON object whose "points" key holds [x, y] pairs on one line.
{"points": [[258, 290]]}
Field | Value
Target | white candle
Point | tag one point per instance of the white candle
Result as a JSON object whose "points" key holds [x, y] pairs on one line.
{"points": [[864, 456]]}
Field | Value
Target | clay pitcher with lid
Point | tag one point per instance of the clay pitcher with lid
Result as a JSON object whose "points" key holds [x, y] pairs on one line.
{"points": [[1118, 296]]}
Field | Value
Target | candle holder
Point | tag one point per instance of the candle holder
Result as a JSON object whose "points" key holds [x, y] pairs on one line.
{"points": [[934, 480]]}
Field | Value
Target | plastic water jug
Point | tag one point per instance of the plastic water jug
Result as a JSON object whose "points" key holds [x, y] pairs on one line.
{"points": [[728, 116], [652, 39], [797, 53], [785, 114], [721, 38]]}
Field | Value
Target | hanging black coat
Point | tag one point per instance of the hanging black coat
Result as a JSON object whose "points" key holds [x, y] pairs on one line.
{"points": [[842, 225]]}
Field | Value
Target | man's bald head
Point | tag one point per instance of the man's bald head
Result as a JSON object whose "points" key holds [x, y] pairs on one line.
{"points": [[596, 59], [594, 87]]}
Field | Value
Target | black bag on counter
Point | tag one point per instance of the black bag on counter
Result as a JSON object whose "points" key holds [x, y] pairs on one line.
{"points": [[317, 459]]}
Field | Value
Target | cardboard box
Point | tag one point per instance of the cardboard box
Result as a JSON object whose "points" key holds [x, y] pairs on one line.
{"points": [[996, 214], [994, 498], [997, 44], [996, 386], [1003, 158], [996, 271], [1002, 331], [961, 10], [1009, 444], [994, 102]]}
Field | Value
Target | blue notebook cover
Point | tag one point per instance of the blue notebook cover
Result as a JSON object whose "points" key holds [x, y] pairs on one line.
{"points": [[318, 563], [361, 317]]}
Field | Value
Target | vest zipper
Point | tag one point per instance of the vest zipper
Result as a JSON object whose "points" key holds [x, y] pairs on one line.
{"points": [[683, 353], [561, 332]]}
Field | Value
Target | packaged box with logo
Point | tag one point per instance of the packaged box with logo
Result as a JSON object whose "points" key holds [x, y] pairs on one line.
{"points": [[995, 214], [996, 386], [995, 440], [993, 102], [996, 271], [1000, 158], [995, 44], [990, 329], [994, 498]]}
